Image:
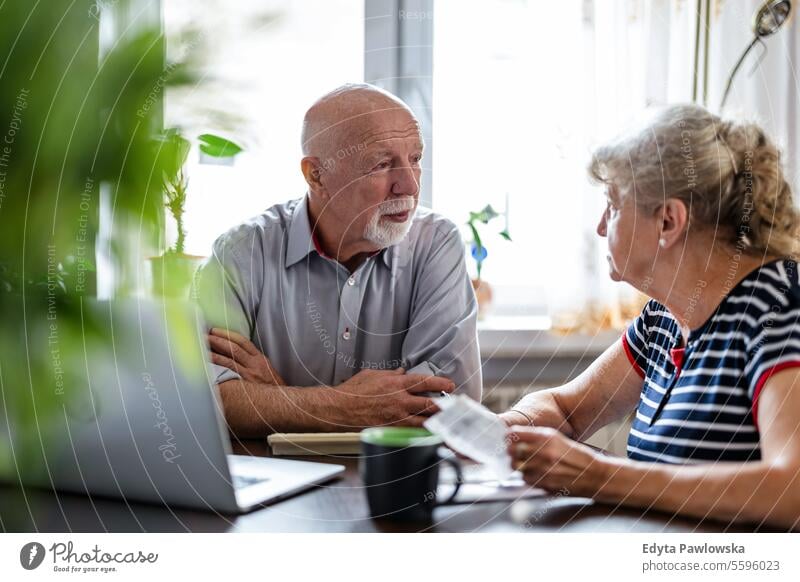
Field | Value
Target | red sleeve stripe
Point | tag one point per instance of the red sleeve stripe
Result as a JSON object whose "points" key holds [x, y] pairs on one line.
{"points": [[769, 372], [631, 359]]}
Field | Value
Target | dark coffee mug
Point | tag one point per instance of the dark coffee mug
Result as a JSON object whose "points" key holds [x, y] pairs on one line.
{"points": [[400, 470]]}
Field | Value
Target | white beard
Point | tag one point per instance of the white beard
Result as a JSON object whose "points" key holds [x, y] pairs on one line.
{"points": [[384, 233]]}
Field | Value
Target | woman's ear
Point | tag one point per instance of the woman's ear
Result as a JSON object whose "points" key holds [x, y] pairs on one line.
{"points": [[674, 222], [312, 171]]}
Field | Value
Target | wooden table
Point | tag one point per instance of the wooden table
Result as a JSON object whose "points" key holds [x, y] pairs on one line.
{"points": [[337, 506]]}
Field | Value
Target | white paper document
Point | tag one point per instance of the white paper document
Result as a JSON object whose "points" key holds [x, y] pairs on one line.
{"points": [[474, 431]]}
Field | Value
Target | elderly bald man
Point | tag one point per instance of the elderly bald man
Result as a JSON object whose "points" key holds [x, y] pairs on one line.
{"points": [[350, 307]]}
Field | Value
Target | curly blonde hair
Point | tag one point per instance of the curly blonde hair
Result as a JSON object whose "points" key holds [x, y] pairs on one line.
{"points": [[728, 173]]}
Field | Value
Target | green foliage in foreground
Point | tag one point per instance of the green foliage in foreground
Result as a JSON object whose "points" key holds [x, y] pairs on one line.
{"points": [[73, 124]]}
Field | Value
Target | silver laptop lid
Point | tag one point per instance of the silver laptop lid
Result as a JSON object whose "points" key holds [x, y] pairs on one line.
{"points": [[139, 420]]}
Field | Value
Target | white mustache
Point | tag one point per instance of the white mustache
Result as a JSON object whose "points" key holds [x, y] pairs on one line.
{"points": [[396, 206]]}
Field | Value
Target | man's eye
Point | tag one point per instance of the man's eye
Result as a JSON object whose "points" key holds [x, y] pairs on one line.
{"points": [[383, 165], [416, 159]]}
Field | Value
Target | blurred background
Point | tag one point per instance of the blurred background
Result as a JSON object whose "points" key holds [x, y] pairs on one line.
{"points": [[513, 95]]}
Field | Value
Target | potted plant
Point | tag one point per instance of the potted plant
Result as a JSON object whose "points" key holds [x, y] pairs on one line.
{"points": [[172, 272], [478, 251]]}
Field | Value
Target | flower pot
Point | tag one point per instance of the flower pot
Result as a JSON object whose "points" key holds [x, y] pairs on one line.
{"points": [[171, 274], [483, 293]]}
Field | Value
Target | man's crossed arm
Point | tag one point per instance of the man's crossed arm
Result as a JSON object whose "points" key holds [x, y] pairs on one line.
{"points": [[262, 403]]}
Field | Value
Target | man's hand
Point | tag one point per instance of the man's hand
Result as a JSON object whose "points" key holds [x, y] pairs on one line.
{"points": [[380, 397], [239, 354]]}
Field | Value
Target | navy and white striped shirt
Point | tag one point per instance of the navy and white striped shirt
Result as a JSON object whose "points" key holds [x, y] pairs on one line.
{"points": [[699, 403]]}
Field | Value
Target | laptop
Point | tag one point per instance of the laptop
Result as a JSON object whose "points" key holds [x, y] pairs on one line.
{"points": [[139, 419]]}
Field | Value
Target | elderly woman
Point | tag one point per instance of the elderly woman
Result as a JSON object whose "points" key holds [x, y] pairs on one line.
{"points": [[701, 219]]}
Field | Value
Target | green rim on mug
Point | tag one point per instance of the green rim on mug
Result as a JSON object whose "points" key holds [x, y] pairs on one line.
{"points": [[399, 436]]}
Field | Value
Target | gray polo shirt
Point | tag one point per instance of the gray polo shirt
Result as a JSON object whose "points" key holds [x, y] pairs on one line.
{"points": [[410, 305]]}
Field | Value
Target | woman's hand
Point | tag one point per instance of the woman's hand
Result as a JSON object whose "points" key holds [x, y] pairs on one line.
{"points": [[552, 461], [514, 417]]}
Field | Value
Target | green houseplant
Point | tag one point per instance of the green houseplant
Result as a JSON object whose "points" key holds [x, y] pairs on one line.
{"points": [[479, 252], [77, 131], [171, 273]]}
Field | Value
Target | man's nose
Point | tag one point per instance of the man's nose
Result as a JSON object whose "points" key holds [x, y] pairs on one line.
{"points": [[406, 181]]}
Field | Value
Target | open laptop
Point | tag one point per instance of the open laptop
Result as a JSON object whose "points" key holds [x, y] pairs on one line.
{"points": [[139, 420]]}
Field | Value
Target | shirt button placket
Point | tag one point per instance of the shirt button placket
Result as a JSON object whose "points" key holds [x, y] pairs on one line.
{"points": [[348, 307]]}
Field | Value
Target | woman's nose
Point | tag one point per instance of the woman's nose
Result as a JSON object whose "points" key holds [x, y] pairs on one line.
{"points": [[601, 227]]}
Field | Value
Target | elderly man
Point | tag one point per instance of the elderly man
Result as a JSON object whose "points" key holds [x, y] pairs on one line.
{"points": [[350, 307]]}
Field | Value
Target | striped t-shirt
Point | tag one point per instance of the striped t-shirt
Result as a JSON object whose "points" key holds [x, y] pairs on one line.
{"points": [[699, 403]]}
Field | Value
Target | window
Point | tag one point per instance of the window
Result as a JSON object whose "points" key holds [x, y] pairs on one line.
{"points": [[264, 63], [516, 107]]}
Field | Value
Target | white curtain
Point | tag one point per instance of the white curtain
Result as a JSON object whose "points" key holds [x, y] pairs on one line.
{"points": [[769, 92], [648, 49], [524, 90]]}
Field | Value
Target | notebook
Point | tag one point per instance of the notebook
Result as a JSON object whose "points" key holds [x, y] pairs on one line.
{"points": [[315, 443]]}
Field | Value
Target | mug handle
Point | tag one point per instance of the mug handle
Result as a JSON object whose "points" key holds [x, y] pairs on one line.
{"points": [[447, 456]]}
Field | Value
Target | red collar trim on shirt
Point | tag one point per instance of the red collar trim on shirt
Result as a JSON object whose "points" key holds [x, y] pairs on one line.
{"points": [[677, 358], [317, 246]]}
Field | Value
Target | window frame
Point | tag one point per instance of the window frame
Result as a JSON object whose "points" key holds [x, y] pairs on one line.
{"points": [[398, 57]]}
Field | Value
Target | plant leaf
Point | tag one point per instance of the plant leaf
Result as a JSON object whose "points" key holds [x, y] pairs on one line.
{"points": [[174, 149], [505, 235], [488, 213], [182, 148], [218, 147], [475, 236]]}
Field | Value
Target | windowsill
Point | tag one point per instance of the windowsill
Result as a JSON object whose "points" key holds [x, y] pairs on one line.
{"points": [[531, 337]]}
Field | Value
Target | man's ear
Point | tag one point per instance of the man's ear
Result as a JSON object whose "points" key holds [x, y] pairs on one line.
{"points": [[674, 222], [312, 171]]}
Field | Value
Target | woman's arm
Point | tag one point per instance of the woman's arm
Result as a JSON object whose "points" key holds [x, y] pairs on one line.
{"points": [[765, 491], [606, 391]]}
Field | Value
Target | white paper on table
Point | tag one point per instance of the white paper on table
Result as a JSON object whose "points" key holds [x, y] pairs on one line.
{"points": [[473, 430]]}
